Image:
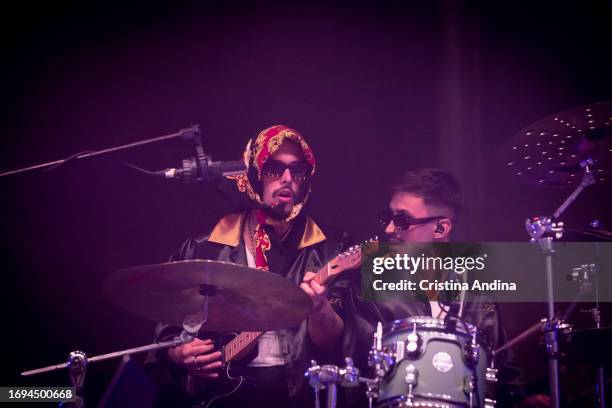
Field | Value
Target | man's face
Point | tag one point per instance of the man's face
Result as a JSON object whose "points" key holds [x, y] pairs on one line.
{"points": [[286, 188], [413, 206]]}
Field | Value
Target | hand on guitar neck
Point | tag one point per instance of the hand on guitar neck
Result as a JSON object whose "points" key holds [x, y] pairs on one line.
{"points": [[324, 324]]}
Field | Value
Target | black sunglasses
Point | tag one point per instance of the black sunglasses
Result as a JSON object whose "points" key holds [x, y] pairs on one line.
{"points": [[402, 221], [275, 169]]}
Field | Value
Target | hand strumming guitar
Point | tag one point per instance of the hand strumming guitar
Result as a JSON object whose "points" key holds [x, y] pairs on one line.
{"points": [[198, 358]]}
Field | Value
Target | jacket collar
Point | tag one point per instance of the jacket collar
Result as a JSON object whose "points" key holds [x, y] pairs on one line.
{"points": [[228, 231]]}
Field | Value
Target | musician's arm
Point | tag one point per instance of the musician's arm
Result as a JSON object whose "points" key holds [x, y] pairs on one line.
{"points": [[325, 328], [324, 324]]}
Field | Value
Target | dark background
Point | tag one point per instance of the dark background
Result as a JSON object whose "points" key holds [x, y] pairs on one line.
{"points": [[376, 88]]}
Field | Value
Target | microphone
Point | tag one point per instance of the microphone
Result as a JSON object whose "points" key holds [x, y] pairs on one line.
{"points": [[204, 170], [199, 168]]}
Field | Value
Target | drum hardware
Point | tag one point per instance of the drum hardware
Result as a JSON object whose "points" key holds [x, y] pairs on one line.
{"points": [[413, 347], [77, 366], [489, 403], [469, 386], [313, 375], [401, 348], [552, 153], [412, 379], [190, 294], [381, 359], [329, 377], [350, 374], [587, 275], [78, 361], [371, 389], [543, 229], [581, 274], [491, 374], [472, 351]]}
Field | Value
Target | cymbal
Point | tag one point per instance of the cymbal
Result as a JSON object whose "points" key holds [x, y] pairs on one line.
{"points": [[241, 298], [552, 151], [598, 233], [591, 345]]}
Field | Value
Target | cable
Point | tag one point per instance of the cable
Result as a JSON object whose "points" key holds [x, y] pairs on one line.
{"points": [[140, 169]]}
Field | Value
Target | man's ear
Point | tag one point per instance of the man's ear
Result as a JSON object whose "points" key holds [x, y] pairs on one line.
{"points": [[443, 228]]}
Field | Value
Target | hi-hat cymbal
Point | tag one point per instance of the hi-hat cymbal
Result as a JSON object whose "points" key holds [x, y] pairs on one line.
{"points": [[242, 298], [552, 151]]}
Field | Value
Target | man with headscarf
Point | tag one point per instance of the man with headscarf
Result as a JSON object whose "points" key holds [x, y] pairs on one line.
{"points": [[272, 233]]}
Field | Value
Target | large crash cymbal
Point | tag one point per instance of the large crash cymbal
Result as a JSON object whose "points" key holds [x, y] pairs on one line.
{"points": [[242, 298], [552, 151]]}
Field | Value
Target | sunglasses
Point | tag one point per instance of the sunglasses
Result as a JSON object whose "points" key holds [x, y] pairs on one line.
{"points": [[402, 221], [275, 169]]}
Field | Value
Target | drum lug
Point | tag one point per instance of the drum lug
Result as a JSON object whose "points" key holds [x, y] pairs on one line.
{"points": [[491, 375], [472, 351], [413, 344], [412, 379], [468, 384], [489, 403]]}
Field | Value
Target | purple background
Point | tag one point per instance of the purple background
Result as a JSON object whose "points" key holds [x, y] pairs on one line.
{"points": [[375, 88]]}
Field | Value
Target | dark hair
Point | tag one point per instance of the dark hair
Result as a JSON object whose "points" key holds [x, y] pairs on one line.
{"points": [[436, 186]]}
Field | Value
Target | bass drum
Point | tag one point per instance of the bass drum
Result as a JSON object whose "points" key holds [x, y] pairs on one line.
{"points": [[434, 367]]}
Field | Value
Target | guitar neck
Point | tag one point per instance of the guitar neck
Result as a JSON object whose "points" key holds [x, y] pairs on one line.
{"points": [[239, 344], [324, 274]]}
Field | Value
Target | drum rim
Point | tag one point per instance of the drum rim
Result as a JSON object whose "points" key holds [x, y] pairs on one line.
{"points": [[425, 322]]}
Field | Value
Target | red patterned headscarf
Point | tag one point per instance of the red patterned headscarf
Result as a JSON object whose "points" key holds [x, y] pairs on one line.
{"points": [[247, 189]]}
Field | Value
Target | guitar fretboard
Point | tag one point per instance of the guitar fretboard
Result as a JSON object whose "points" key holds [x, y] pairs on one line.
{"points": [[238, 344]]}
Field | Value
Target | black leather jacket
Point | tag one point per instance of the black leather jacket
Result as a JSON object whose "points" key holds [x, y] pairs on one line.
{"points": [[306, 248]]}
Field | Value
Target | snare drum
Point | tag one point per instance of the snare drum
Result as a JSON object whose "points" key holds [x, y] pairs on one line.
{"points": [[433, 367]]}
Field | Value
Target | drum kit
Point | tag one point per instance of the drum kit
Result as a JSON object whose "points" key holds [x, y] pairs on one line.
{"points": [[417, 361]]}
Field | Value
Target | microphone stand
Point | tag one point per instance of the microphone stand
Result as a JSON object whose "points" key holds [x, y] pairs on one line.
{"points": [[191, 132]]}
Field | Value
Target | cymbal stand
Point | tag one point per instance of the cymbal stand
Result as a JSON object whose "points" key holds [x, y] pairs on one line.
{"points": [[330, 376], [78, 361], [583, 274], [543, 229]]}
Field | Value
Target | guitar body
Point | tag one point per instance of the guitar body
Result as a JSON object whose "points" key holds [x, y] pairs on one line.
{"points": [[205, 393]]}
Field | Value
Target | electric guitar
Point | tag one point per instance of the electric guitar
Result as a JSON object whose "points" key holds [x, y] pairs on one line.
{"points": [[240, 344]]}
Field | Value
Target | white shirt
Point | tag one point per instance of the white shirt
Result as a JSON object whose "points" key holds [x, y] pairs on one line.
{"points": [[269, 347]]}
